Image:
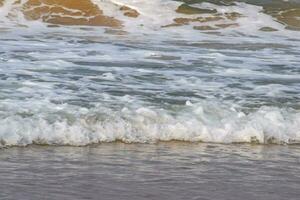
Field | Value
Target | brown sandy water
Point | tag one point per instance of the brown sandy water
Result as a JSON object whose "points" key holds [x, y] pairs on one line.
{"points": [[86, 12]]}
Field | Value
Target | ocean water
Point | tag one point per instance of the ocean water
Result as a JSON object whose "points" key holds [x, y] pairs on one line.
{"points": [[85, 72], [140, 99]]}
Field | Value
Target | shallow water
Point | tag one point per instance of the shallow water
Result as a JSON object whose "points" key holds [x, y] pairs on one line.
{"points": [[124, 79], [77, 73], [146, 171]]}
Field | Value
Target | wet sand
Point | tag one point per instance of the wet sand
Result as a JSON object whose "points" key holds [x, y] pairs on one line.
{"points": [[151, 171]]}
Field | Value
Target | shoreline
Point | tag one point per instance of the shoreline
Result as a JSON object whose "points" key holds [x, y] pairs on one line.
{"points": [[137, 171]]}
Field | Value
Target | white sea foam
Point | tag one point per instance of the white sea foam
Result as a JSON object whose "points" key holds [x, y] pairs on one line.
{"points": [[205, 122], [155, 14]]}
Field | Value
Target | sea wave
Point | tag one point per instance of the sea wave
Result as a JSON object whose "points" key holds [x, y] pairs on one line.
{"points": [[129, 14], [205, 122], [92, 71]]}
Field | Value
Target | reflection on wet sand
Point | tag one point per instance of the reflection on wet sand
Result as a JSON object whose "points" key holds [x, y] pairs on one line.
{"points": [[139, 171]]}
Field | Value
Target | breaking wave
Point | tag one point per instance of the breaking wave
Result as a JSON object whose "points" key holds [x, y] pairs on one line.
{"points": [[205, 122]]}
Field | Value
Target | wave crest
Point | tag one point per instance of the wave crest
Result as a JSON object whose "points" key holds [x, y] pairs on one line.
{"points": [[194, 123]]}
